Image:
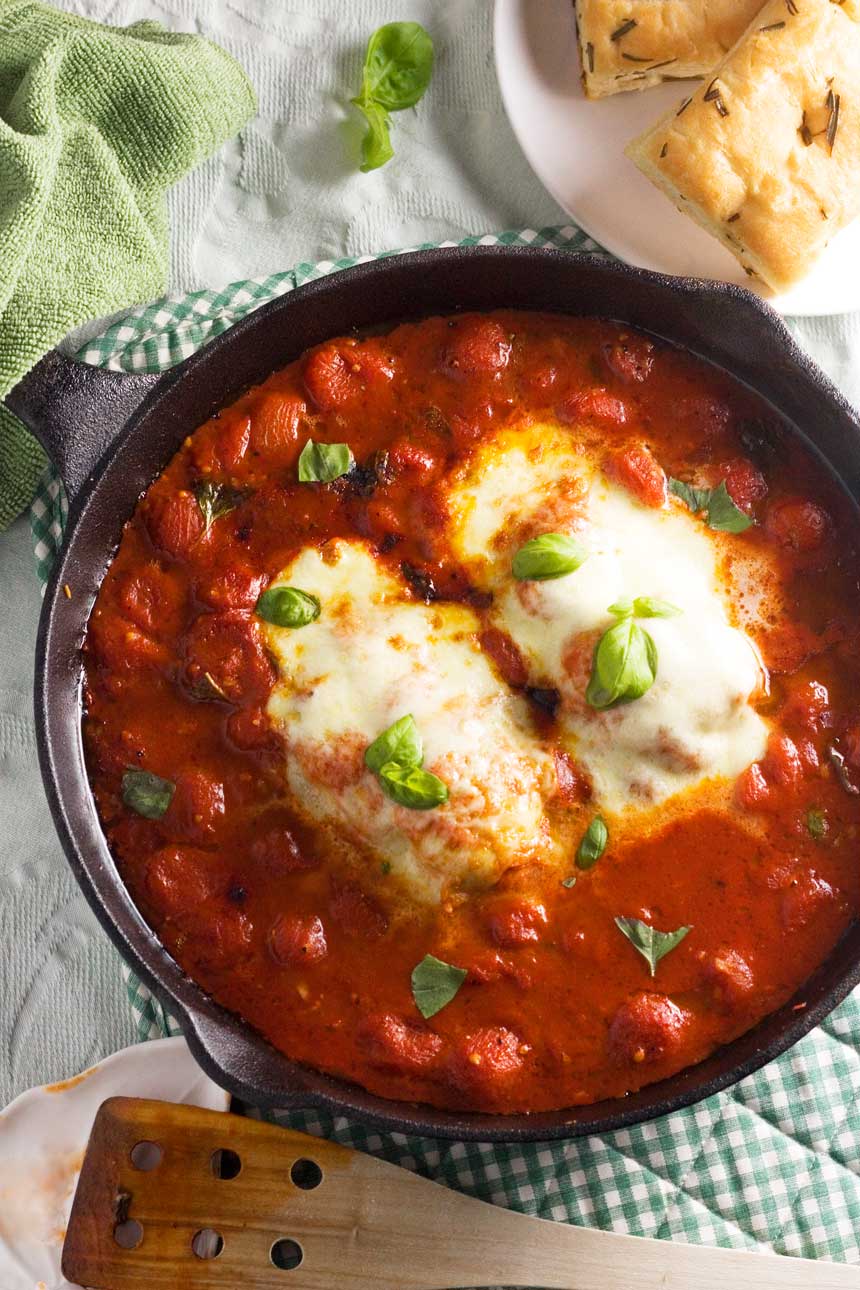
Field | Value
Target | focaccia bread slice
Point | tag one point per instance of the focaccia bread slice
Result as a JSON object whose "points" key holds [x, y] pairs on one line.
{"points": [[766, 154], [631, 44]]}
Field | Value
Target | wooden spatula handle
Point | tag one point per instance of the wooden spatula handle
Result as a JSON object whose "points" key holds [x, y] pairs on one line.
{"points": [[361, 1224]]}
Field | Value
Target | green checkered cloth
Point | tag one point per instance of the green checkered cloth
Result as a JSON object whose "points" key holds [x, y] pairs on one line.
{"points": [[773, 1162]]}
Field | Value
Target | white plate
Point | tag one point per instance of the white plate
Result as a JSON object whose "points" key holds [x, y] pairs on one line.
{"points": [[576, 148], [43, 1134]]}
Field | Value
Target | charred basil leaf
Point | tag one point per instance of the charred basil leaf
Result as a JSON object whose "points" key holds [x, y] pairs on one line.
{"points": [[398, 65], [761, 440], [593, 844], [434, 984], [546, 699], [287, 607], [365, 478], [216, 500], [624, 666], [147, 794], [400, 743], [206, 687], [721, 512], [420, 581], [320, 463], [411, 786], [650, 943], [551, 555], [843, 774]]}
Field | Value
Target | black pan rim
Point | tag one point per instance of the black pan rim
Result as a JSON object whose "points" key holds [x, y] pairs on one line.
{"points": [[204, 1023]]}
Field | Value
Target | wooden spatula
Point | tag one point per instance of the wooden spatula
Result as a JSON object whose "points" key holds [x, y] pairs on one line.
{"points": [[172, 1196]]}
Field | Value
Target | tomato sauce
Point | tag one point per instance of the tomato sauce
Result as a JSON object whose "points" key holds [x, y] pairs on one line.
{"points": [[557, 1008]]}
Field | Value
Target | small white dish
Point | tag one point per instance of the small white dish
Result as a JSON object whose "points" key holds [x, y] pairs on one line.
{"points": [[576, 149], [43, 1135]]}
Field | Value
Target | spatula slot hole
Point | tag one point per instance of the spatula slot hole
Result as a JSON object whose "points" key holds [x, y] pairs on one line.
{"points": [[146, 1156], [306, 1174], [286, 1254], [207, 1243], [225, 1163], [128, 1234]]}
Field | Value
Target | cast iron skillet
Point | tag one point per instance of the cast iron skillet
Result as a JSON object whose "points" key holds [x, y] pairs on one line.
{"points": [[110, 435]]}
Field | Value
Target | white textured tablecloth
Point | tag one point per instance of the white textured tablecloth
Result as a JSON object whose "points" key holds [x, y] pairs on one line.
{"points": [[286, 190]]}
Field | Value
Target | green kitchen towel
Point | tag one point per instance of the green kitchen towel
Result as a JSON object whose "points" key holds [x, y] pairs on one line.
{"points": [[96, 123]]}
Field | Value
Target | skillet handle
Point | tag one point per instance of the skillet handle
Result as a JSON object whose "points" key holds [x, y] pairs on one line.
{"points": [[76, 411]]}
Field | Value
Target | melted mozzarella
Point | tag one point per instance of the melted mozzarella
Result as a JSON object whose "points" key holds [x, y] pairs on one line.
{"points": [[695, 723], [525, 481], [371, 657]]}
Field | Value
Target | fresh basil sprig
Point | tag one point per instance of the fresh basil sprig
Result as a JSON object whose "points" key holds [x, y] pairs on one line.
{"points": [[400, 743], [720, 511], [624, 666], [320, 463], [434, 984], [650, 943], [287, 607], [396, 758], [398, 65], [644, 607], [593, 843], [411, 786], [216, 500], [147, 794], [550, 555]]}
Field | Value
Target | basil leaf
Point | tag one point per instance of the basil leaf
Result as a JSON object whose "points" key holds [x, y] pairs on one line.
{"points": [[622, 608], [696, 498], [398, 65], [650, 943], [593, 843], [216, 500], [648, 607], [624, 665], [376, 146], [817, 823], [411, 786], [320, 463], [722, 513], [400, 743], [287, 607], [434, 984], [147, 794], [551, 555], [643, 607]]}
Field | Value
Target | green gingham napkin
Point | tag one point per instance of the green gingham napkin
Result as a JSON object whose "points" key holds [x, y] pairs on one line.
{"points": [[773, 1162]]}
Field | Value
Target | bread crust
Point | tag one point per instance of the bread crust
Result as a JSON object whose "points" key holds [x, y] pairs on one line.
{"points": [[668, 39], [766, 154]]}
